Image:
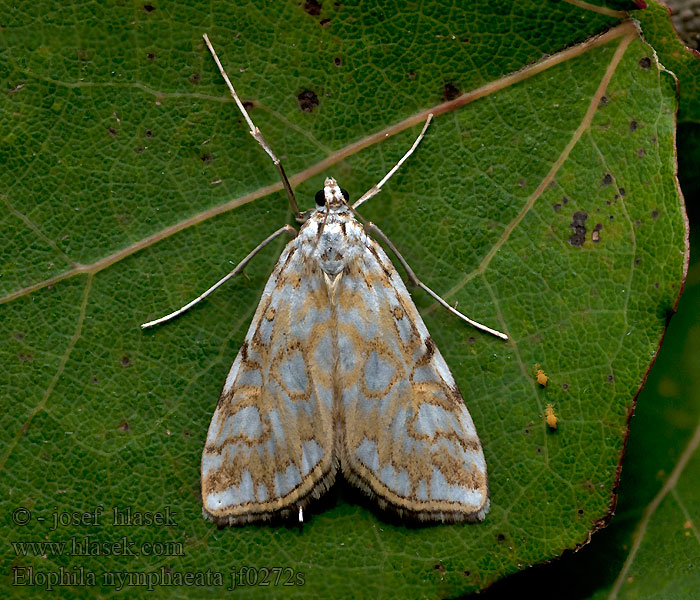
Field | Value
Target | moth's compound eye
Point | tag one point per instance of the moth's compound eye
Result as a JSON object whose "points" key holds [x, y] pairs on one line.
{"points": [[320, 198], [345, 195]]}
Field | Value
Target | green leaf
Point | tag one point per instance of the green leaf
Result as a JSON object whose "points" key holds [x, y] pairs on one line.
{"points": [[131, 184], [659, 31]]}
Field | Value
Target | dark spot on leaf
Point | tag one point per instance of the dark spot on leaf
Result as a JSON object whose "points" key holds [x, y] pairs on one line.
{"points": [[580, 511], [603, 101], [607, 180], [195, 77], [522, 183], [595, 235], [653, 139], [337, 61], [637, 261], [466, 573], [622, 191], [124, 426], [149, 133], [206, 158], [439, 567], [527, 432], [579, 227], [138, 149], [471, 340], [312, 7], [638, 222], [19, 336], [112, 131], [149, 8], [633, 125], [151, 56], [654, 214], [501, 538], [450, 91], [308, 100], [248, 104], [645, 62], [565, 386], [186, 433], [411, 74], [324, 22], [564, 199], [611, 378], [656, 285], [25, 357], [611, 217], [126, 361], [94, 380], [556, 206]]}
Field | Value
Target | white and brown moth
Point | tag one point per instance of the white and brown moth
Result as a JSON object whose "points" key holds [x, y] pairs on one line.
{"points": [[338, 371]]}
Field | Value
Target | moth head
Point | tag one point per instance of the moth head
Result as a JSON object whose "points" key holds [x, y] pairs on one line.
{"points": [[331, 197]]}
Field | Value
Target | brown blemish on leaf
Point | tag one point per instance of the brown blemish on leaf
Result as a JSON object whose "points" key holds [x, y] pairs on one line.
{"points": [[439, 567], [633, 125], [501, 537], [195, 77], [411, 74], [337, 61], [312, 7], [151, 56], [603, 101], [148, 8], [124, 426], [654, 214], [112, 131], [450, 91], [138, 149], [25, 357], [595, 235], [564, 200], [556, 206], [645, 63], [248, 105], [324, 22], [149, 133], [206, 158], [622, 191], [126, 361], [607, 180], [308, 100], [579, 227]]}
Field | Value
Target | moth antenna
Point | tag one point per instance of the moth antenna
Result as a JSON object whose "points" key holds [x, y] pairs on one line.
{"points": [[258, 136]]}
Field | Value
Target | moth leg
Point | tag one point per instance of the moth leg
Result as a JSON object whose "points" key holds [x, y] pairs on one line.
{"points": [[374, 190], [288, 229], [412, 276], [255, 132]]}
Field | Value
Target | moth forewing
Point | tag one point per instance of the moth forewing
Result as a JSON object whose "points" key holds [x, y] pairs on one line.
{"points": [[407, 437], [270, 444]]}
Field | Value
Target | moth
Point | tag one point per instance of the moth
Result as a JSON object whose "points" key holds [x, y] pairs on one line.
{"points": [[338, 373]]}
